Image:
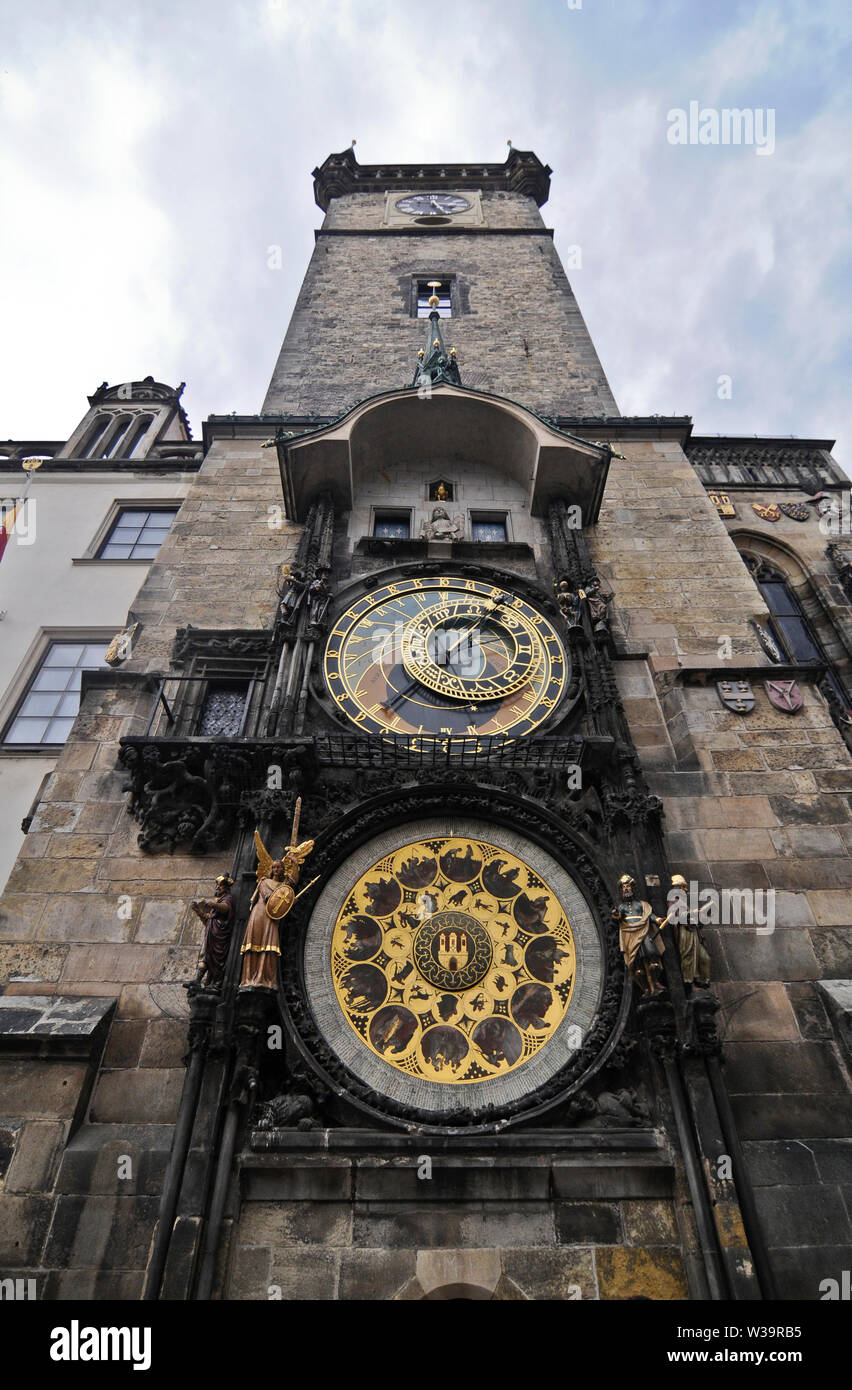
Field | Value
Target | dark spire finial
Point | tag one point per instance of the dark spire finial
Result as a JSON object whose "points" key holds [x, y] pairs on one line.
{"points": [[435, 364]]}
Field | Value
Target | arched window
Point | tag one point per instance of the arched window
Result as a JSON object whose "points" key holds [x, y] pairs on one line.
{"points": [[111, 445], [136, 434], [96, 433]]}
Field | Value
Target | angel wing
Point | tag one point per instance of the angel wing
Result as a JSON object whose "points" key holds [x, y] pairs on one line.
{"points": [[300, 852], [264, 858]]}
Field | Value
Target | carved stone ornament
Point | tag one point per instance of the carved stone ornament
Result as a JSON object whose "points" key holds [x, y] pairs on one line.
{"points": [[784, 695], [441, 527], [767, 641], [121, 646], [841, 560], [292, 1110], [737, 696], [209, 642], [621, 1109], [791, 465]]}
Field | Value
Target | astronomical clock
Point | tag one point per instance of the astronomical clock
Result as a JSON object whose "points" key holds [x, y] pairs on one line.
{"points": [[455, 962], [445, 655]]}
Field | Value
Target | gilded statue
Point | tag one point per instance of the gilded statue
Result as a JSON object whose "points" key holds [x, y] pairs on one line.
{"points": [[640, 937], [694, 956], [272, 900], [217, 914], [569, 602]]}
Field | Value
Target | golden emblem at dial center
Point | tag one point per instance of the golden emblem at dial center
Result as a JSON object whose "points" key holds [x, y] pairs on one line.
{"points": [[453, 960]]}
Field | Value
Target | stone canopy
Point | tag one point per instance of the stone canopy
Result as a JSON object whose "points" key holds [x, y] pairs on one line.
{"points": [[450, 425]]}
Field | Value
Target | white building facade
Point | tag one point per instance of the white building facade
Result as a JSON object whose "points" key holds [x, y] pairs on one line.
{"points": [[97, 509]]}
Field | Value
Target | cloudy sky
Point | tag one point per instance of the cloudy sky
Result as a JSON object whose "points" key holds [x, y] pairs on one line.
{"points": [[151, 153]]}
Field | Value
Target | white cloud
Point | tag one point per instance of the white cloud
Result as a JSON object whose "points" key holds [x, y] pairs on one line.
{"points": [[152, 154]]}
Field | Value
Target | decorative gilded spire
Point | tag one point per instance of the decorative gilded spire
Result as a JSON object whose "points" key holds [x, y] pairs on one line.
{"points": [[435, 364]]}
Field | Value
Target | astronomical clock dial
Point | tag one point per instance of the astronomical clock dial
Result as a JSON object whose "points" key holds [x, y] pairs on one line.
{"points": [[433, 204], [446, 960], [444, 656]]}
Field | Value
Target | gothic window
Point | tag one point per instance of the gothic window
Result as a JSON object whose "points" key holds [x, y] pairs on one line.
{"points": [[48, 709], [95, 435], [392, 525], [138, 431], [223, 714], [788, 622], [488, 526], [110, 443], [442, 288], [115, 436], [137, 535], [791, 628]]}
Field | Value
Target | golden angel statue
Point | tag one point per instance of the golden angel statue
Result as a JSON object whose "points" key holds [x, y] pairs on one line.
{"points": [[272, 900]]}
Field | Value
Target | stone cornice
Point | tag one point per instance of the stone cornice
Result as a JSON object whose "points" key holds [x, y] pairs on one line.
{"points": [[418, 231], [171, 465], [522, 172], [753, 441]]}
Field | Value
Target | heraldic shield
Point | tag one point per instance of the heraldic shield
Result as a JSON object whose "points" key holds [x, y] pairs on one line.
{"points": [[736, 695], [797, 511], [784, 695]]}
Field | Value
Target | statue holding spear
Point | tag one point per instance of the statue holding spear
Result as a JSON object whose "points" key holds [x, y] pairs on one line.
{"points": [[272, 900]]}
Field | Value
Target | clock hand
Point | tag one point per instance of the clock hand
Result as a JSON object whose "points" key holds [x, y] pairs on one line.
{"points": [[414, 682], [487, 609]]}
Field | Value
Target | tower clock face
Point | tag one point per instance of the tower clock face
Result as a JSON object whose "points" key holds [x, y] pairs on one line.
{"points": [[433, 204], [444, 656]]}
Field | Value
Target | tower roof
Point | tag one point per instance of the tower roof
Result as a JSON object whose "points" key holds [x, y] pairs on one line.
{"points": [[522, 172]]}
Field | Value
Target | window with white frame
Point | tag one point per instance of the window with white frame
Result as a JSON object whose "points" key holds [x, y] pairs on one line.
{"points": [[50, 705], [442, 290], [391, 525], [488, 526], [137, 533]]}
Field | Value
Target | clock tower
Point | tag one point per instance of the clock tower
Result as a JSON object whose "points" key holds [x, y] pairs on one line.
{"points": [[430, 742], [478, 231], [441, 628]]}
